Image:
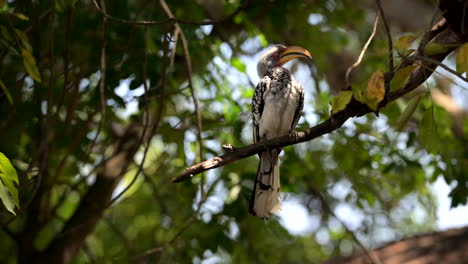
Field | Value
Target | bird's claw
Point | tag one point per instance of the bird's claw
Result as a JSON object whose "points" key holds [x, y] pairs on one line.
{"points": [[293, 133], [266, 146]]}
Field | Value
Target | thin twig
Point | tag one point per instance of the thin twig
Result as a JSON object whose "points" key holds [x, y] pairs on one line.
{"points": [[146, 116], [103, 65], [364, 49], [173, 20], [173, 52], [447, 68], [66, 59], [188, 64], [389, 37]]}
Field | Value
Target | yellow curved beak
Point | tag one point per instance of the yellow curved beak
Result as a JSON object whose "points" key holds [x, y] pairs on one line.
{"points": [[293, 52]]}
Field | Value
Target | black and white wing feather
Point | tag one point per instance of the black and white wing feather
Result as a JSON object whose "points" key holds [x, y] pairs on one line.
{"points": [[257, 106], [300, 107]]}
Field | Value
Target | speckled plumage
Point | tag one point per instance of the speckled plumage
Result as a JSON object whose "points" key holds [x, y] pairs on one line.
{"points": [[276, 108]]}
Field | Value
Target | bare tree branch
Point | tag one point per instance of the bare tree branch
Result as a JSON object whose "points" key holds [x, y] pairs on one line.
{"points": [[188, 64], [389, 37], [364, 49], [447, 68], [173, 20]]}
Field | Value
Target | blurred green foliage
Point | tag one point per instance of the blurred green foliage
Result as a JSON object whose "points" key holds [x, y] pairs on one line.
{"points": [[50, 72]]}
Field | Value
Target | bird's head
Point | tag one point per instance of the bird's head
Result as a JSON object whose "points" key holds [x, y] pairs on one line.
{"points": [[278, 55]]}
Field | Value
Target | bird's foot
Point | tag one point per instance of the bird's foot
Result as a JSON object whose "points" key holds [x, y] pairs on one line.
{"points": [[266, 146], [293, 133]]}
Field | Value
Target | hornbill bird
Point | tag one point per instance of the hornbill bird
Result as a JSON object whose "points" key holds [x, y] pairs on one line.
{"points": [[276, 108]]}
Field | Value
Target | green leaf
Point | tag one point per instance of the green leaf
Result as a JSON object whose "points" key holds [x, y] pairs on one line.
{"points": [[434, 49], [7, 93], [408, 112], [401, 77], [7, 199], [428, 132], [24, 39], [8, 176], [404, 42], [462, 59], [340, 102], [375, 91], [263, 40], [238, 64], [30, 64]]}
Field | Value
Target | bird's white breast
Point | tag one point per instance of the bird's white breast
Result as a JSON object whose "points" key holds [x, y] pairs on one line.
{"points": [[280, 104]]}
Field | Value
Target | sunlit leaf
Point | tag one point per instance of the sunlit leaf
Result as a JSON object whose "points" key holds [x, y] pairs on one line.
{"points": [[401, 77], [263, 40], [428, 132], [8, 190], [404, 42], [238, 64], [375, 91], [30, 64], [434, 49], [340, 102], [7, 93], [408, 112], [462, 59]]}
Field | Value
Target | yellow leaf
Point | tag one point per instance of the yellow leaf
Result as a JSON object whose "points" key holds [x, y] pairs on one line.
{"points": [[30, 64], [24, 39], [401, 77], [434, 49], [358, 94], [462, 59], [340, 102], [375, 91], [404, 42], [21, 16]]}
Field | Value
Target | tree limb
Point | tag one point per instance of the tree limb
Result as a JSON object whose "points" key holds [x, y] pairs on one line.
{"points": [[172, 20]]}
